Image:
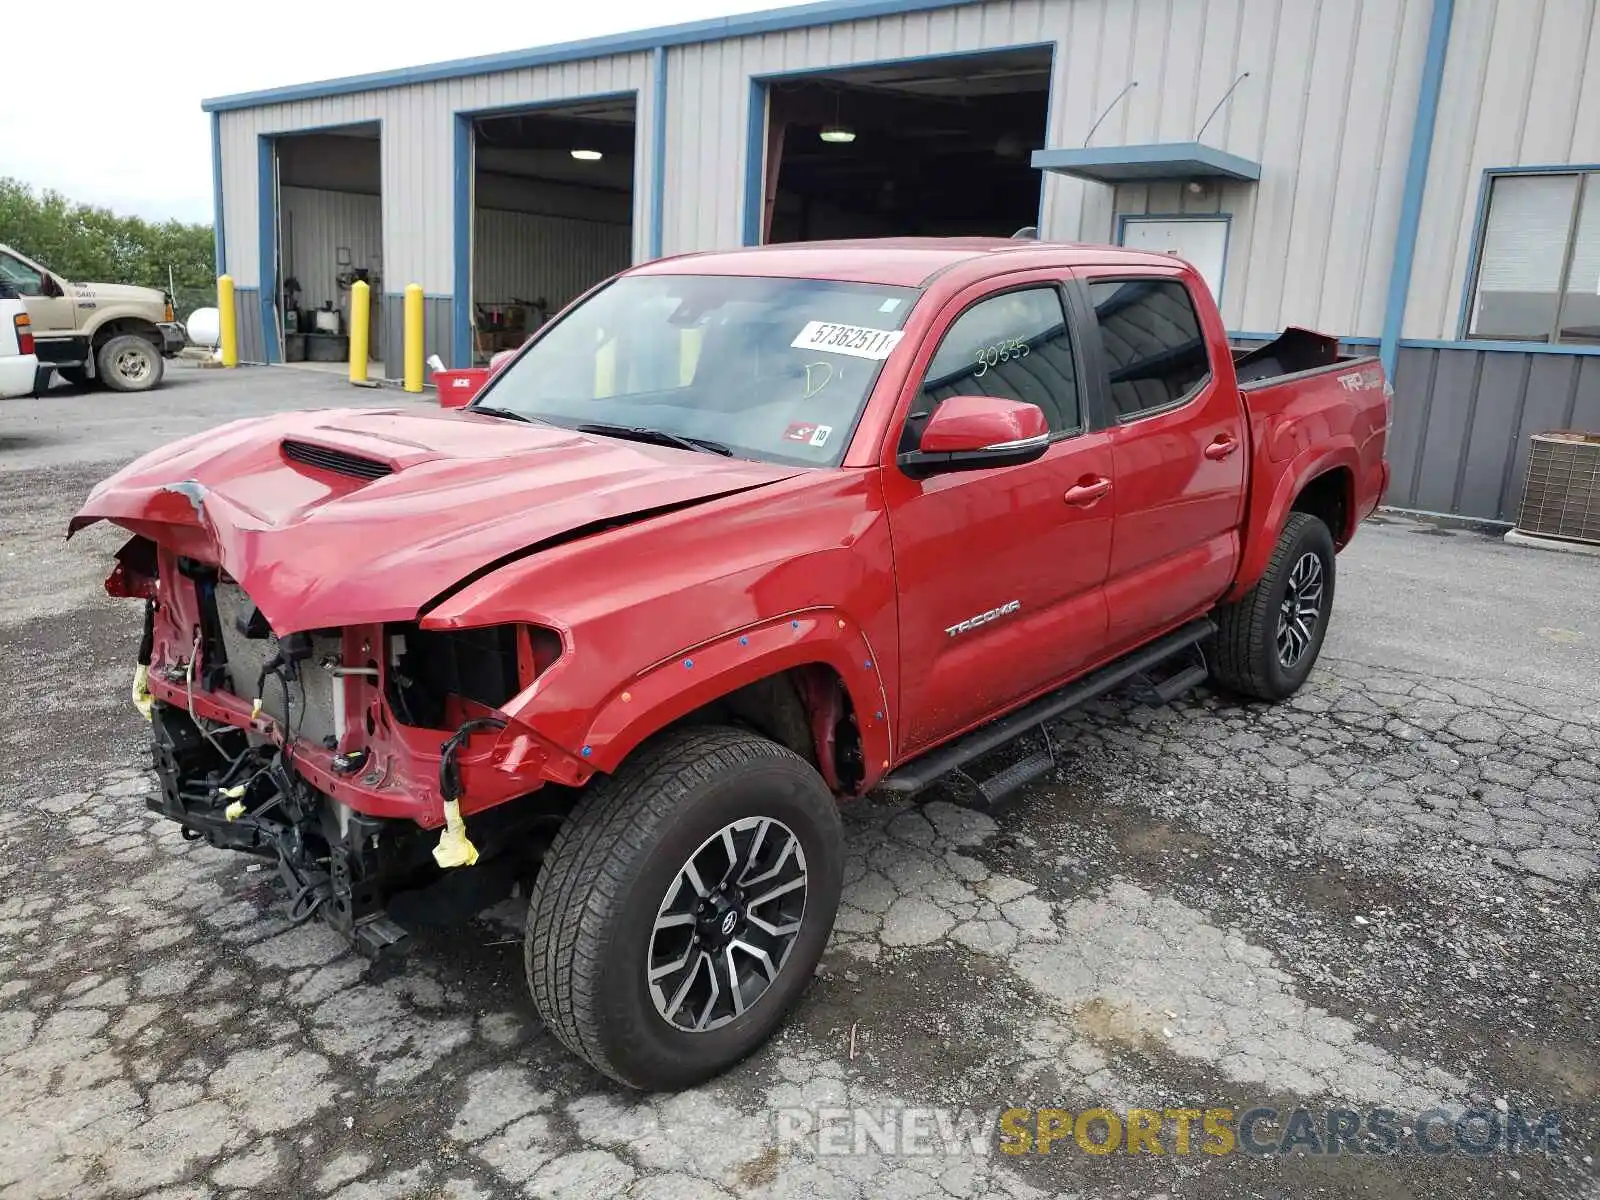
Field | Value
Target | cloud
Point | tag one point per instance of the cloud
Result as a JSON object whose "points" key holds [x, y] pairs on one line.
{"points": [[118, 122]]}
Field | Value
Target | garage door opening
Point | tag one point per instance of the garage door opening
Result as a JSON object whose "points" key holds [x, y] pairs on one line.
{"points": [[330, 234], [937, 148], [552, 213]]}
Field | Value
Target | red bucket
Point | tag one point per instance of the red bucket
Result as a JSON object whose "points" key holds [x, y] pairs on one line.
{"points": [[456, 388]]}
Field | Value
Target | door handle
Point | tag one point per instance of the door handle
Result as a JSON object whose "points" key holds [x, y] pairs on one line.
{"points": [[1085, 494], [1221, 447]]}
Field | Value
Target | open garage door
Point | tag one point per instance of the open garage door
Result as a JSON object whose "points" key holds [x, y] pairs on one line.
{"points": [[330, 234], [552, 213], [935, 148]]}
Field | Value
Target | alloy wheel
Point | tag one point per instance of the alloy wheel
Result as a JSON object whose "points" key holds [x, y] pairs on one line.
{"points": [[1300, 610], [727, 923]]}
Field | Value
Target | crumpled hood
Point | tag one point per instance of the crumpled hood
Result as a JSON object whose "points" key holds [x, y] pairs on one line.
{"points": [[288, 506]]}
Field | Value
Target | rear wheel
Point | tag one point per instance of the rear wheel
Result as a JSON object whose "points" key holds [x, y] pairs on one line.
{"points": [[129, 363], [1268, 641], [683, 907]]}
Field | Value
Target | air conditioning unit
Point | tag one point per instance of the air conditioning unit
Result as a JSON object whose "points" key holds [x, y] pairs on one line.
{"points": [[1561, 498]]}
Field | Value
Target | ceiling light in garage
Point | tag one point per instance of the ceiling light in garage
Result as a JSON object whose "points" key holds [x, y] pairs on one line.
{"points": [[838, 134], [587, 155]]}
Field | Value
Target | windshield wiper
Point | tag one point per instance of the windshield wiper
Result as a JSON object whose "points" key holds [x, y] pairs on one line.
{"points": [[660, 437], [490, 410]]}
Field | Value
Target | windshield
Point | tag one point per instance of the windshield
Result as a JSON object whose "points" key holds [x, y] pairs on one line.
{"points": [[769, 369]]}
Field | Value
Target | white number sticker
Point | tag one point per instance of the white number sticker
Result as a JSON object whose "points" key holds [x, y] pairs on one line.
{"points": [[858, 341]]}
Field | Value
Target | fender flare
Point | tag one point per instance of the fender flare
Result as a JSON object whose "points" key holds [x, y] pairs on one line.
{"points": [[698, 675], [1296, 475], [92, 332]]}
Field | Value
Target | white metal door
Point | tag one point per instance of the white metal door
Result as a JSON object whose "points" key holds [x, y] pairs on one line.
{"points": [[1202, 241]]}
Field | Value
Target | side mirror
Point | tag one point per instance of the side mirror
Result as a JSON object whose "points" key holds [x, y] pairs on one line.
{"points": [[968, 433]]}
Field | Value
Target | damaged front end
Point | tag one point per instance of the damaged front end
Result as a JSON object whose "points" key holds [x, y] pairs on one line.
{"points": [[349, 757]]}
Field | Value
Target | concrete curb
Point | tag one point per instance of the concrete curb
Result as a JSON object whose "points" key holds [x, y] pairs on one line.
{"points": [[1534, 542]]}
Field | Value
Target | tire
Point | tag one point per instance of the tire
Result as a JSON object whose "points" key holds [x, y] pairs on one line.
{"points": [[1245, 653], [617, 863], [129, 363]]}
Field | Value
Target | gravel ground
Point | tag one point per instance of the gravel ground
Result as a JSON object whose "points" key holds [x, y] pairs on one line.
{"points": [[1383, 894]]}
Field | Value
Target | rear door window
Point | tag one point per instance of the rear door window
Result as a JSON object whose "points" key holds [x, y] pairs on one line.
{"points": [[1155, 354]]}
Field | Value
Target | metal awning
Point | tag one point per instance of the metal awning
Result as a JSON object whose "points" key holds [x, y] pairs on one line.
{"points": [[1143, 164]]}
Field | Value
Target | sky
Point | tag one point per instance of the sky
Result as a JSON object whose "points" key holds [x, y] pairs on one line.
{"points": [[124, 127]]}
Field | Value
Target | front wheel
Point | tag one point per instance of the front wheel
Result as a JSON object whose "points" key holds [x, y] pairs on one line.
{"points": [[683, 907], [1268, 641], [129, 363]]}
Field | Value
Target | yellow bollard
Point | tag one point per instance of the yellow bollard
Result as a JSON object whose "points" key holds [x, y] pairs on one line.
{"points": [[360, 330], [228, 319], [413, 346]]}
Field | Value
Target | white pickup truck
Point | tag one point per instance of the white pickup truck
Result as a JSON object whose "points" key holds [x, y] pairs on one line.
{"points": [[19, 365]]}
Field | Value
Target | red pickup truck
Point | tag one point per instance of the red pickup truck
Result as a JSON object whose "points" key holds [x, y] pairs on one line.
{"points": [[737, 536]]}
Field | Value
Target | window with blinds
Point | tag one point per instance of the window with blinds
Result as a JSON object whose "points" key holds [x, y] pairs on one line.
{"points": [[1537, 278]]}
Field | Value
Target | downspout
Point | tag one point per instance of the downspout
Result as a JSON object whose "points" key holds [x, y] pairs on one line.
{"points": [[1405, 247], [658, 153], [217, 227]]}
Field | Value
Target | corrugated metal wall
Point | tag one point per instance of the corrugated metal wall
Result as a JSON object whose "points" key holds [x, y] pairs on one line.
{"points": [[436, 331], [1521, 88], [1327, 110], [418, 127], [1463, 419], [1310, 244], [534, 257], [317, 225]]}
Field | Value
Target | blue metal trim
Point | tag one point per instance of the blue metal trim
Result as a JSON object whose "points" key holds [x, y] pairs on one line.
{"points": [[267, 240], [1227, 235], [658, 152], [1496, 347], [803, 16], [755, 158], [461, 218], [1546, 169], [1181, 159], [1049, 130], [218, 228], [1480, 224], [1416, 185]]}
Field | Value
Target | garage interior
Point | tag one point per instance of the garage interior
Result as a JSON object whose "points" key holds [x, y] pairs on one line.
{"points": [[552, 213], [330, 234], [936, 148]]}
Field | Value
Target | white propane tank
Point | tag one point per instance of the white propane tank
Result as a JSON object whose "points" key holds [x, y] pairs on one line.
{"points": [[204, 327]]}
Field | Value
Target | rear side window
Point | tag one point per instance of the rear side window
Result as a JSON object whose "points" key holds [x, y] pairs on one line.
{"points": [[1013, 345], [1155, 354]]}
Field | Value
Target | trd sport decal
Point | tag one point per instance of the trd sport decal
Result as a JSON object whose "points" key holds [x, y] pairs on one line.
{"points": [[994, 614]]}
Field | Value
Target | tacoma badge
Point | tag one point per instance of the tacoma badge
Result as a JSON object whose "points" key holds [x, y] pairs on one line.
{"points": [[994, 614]]}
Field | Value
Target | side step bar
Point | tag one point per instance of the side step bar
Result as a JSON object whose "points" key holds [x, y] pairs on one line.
{"points": [[939, 762]]}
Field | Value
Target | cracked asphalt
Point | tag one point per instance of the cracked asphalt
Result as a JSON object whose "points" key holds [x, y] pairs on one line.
{"points": [[1384, 893]]}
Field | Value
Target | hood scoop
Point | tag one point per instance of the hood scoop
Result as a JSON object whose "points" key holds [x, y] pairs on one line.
{"points": [[340, 462]]}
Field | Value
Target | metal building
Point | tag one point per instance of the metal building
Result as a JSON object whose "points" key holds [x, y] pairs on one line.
{"points": [[1420, 176]]}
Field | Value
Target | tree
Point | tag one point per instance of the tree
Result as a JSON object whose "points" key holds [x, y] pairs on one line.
{"points": [[93, 245]]}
